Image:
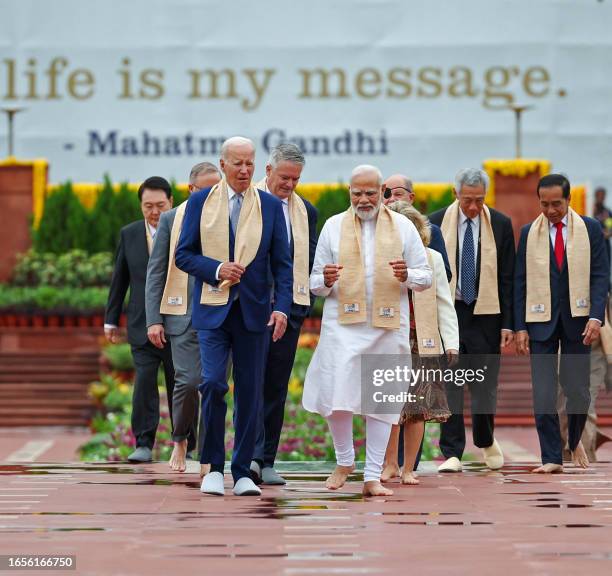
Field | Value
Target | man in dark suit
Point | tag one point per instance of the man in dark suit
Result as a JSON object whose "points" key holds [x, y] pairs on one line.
{"points": [[283, 173], [571, 320], [482, 330], [236, 310], [171, 317], [130, 271]]}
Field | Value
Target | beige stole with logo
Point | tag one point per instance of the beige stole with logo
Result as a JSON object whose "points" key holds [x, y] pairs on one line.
{"points": [[488, 296], [174, 300], [578, 252], [352, 304], [214, 235]]}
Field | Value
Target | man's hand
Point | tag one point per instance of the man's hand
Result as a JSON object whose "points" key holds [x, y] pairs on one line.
{"points": [[279, 321], [452, 356], [507, 337], [522, 342], [156, 335], [591, 332], [400, 270], [331, 273], [112, 334], [231, 271]]}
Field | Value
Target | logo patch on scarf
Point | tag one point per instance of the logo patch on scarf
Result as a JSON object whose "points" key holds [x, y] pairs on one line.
{"points": [[538, 308], [351, 308], [429, 343], [214, 289], [301, 289], [386, 312], [582, 303], [175, 300]]}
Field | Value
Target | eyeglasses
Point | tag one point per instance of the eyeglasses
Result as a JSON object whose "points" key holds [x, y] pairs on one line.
{"points": [[389, 191]]}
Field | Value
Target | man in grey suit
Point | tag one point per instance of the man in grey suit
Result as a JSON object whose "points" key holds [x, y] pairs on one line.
{"points": [[169, 316]]}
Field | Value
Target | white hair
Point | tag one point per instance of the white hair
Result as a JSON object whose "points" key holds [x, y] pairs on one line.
{"points": [[286, 152], [235, 141], [471, 177], [367, 169]]}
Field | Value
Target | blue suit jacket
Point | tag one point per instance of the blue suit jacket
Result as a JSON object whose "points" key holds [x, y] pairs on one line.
{"points": [[559, 288], [253, 290], [436, 242]]}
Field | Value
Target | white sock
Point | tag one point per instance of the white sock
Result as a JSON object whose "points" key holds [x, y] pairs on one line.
{"points": [[377, 438], [341, 427]]}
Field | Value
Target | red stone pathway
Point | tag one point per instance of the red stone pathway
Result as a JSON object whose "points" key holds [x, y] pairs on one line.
{"points": [[142, 520]]}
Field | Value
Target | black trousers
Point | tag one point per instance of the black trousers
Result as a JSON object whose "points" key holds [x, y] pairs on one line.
{"points": [[145, 400], [479, 337], [571, 369], [280, 357]]}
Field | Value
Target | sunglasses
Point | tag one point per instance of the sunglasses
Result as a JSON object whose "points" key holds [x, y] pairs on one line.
{"points": [[389, 191]]}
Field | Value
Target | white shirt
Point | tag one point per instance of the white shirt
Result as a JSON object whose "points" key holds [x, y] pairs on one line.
{"points": [[285, 203], [462, 226], [152, 230], [552, 228]]}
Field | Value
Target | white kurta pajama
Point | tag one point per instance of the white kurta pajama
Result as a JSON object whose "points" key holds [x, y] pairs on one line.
{"points": [[333, 379]]}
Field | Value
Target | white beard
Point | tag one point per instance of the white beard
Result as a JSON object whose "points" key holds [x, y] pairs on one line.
{"points": [[365, 216]]}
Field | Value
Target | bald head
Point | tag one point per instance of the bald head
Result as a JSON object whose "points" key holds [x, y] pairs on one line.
{"points": [[400, 189], [238, 162]]}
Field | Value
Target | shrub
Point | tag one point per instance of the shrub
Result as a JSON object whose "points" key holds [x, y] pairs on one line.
{"points": [[74, 269], [119, 357], [333, 201], [64, 224]]}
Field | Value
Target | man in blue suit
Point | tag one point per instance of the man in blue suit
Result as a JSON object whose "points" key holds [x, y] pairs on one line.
{"points": [[231, 302], [566, 314]]}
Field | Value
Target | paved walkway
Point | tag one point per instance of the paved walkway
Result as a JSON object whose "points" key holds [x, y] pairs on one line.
{"points": [[121, 519]]}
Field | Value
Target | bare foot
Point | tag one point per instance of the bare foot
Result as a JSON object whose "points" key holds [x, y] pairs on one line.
{"points": [[548, 469], [204, 469], [375, 488], [391, 470], [338, 477], [177, 460], [410, 478], [579, 457]]}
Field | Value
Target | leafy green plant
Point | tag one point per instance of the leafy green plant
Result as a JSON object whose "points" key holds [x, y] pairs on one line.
{"points": [[119, 356], [64, 224], [332, 201], [74, 269]]}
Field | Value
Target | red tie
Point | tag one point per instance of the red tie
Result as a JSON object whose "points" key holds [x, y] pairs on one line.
{"points": [[559, 248]]}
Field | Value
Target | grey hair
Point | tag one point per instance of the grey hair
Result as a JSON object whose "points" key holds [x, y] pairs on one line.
{"points": [[286, 152], [421, 223], [471, 177], [233, 141], [367, 169], [202, 168]]}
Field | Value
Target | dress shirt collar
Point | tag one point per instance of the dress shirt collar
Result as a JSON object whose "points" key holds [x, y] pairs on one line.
{"points": [[564, 220], [152, 229], [463, 218]]}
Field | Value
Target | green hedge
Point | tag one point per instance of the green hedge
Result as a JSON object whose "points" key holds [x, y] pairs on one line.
{"points": [[26, 299]]}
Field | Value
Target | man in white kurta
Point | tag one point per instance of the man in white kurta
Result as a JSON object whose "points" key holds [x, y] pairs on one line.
{"points": [[333, 382]]}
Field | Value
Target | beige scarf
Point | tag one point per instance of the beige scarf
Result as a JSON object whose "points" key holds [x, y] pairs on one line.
{"points": [[174, 300], [426, 316], [149, 238], [351, 286], [214, 235], [298, 217], [578, 252], [488, 296]]}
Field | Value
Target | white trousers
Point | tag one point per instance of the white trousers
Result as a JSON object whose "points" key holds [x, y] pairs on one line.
{"points": [[377, 436]]}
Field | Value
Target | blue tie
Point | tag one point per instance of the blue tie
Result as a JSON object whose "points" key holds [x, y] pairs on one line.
{"points": [[235, 215], [468, 266]]}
